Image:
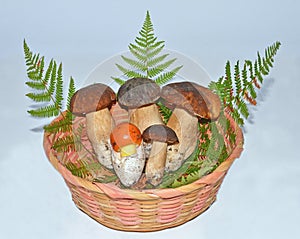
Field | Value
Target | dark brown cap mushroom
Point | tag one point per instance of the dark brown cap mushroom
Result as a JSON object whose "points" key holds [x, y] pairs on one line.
{"points": [[159, 136], [93, 102], [197, 100], [160, 133], [92, 98], [138, 92]]}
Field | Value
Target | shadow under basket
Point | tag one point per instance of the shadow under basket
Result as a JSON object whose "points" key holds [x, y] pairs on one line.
{"points": [[148, 209]]}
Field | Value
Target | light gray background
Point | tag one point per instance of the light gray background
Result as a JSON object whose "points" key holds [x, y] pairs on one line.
{"points": [[260, 197]]}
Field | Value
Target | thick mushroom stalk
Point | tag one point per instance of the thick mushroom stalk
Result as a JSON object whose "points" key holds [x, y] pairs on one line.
{"points": [[145, 116], [94, 102], [190, 102], [158, 137], [99, 126], [186, 128], [128, 155]]}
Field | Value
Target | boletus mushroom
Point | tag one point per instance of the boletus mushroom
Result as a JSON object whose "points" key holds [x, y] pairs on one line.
{"points": [[128, 156], [157, 138], [190, 103], [139, 95], [94, 102]]}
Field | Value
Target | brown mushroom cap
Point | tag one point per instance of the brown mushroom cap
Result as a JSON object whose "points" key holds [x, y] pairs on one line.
{"points": [[138, 92], [91, 99], [160, 133], [197, 100]]}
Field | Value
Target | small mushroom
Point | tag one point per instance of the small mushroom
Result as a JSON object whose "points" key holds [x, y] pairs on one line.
{"points": [[127, 156], [139, 95], [191, 102], [158, 137], [94, 102]]}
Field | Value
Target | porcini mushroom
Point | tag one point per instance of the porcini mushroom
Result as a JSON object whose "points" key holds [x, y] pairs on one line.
{"points": [[128, 155], [190, 102], [159, 137], [94, 102], [139, 95]]}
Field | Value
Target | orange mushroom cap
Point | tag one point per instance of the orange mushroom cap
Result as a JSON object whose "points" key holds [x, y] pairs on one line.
{"points": [[124, 134]]}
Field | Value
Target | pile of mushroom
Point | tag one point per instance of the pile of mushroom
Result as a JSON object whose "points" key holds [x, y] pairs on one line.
{"points": [[144, 145]]}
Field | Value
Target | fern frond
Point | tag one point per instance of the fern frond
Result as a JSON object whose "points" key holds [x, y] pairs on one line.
{"points": [[239, 89], [46, 86], [147, 61]]}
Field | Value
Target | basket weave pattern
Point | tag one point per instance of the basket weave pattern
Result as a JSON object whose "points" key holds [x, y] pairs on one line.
{"points": [[149, 209]]}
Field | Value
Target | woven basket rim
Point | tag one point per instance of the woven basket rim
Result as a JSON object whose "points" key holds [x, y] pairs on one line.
{"points": [[116, 192]]}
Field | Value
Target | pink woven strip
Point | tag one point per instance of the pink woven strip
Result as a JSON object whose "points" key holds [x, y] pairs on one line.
{"points": [[113, 191], [211, 178], [90, 202]]}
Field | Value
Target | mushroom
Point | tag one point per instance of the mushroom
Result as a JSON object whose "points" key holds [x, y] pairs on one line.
{"points": [[158, 137], [94, 102], [191, 102], [139, 95], [127, 155]]}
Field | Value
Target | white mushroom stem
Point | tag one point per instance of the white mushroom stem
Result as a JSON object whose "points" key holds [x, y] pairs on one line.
{"points": [[146, 116], [99, 126], [186, 128], [143, 118], [130, 168], [156, 163]]}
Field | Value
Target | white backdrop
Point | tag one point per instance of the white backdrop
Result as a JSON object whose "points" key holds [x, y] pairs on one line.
{"points": [[260, 197]]}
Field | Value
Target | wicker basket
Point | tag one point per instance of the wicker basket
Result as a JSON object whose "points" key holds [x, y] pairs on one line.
{"points": [[145, 210]]}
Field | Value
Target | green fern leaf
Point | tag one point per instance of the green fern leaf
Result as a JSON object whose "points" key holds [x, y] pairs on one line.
{"points": [[136, 64], [65, 144], [122, 69], [155, 50], [167, 76], [140, 50], [155, 61], [35, 85], [62, 125], [71, 91], [137, 54], [118, 80], [164, 111], [234, 91], [237, 79], [45, 112], [59, 88], [147, 61], [47, 87], [39, 97]]}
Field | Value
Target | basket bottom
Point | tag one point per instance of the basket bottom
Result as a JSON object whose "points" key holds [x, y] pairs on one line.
{"points": [[115, 224]]}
